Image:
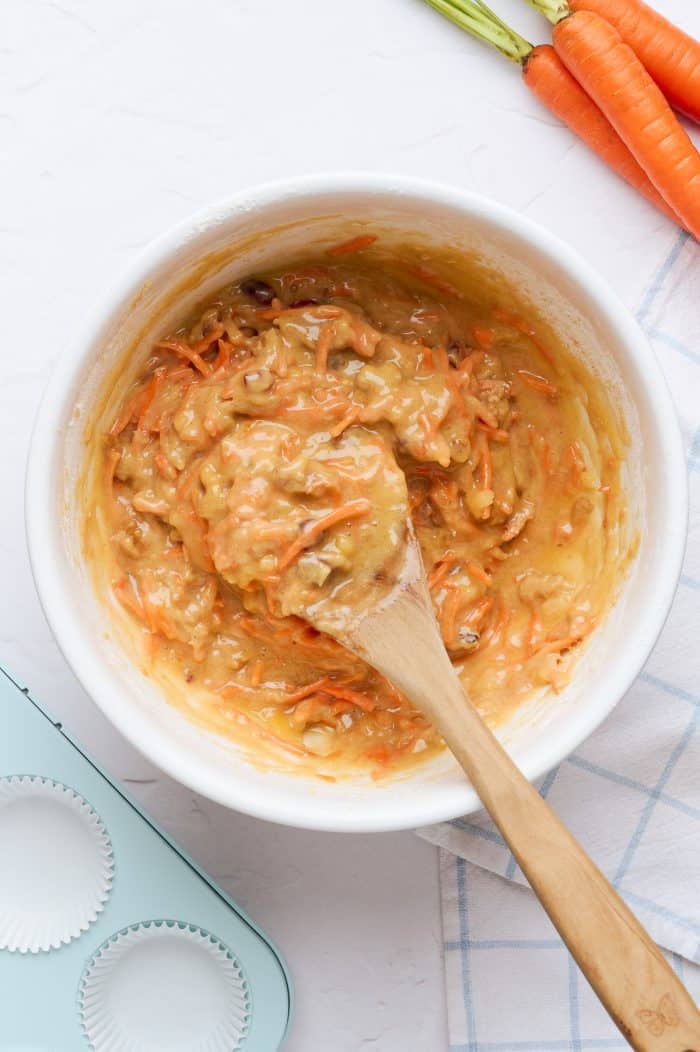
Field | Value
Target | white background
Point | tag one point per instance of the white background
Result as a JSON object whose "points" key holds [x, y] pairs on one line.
{"points": [[116, 120]]}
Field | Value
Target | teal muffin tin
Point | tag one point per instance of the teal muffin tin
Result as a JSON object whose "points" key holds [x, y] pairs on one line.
{"points": [[111, 937]]}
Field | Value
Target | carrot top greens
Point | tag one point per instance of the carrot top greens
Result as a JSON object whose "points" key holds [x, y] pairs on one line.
{"points": [[484, 24]]}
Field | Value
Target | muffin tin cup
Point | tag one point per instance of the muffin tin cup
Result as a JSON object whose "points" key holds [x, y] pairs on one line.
{"points": [[57, 864], [164, 984]]}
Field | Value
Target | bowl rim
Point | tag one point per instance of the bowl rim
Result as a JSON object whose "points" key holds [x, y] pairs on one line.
{"points": [[43, 530]]}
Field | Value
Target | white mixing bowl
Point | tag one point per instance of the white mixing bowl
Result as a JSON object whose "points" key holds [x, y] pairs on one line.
{"points": [[232, 239]]}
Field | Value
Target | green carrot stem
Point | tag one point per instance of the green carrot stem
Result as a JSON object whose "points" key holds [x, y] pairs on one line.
{"points": [[554, 10], [484, 24]]}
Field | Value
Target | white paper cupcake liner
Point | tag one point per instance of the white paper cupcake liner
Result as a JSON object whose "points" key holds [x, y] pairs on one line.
{"points": [[164, 985], [57, 864]]}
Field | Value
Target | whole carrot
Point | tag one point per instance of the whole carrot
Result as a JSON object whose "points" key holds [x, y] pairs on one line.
{"points": [[548, 79], [608, 69], [671, 57], [554, 86]]}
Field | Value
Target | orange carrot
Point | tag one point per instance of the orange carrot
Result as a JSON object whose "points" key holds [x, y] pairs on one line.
{"points": [[485, 463], [556, 88], [478, 573], [483, 336], [305, 692], [157, 619], [323, 346], [441, 569], [224, 354], [429, 277], [442, 361], [355, 509], [131, 601], [355, 244], [496, 434], [479, 612], [341, 426], [129, 411], [111, 461], [516, 320], [549, 80], [608, 69], [671, 56], [166, 469], [353, 696], [536, 382], [143, 425], [448, 615], [183, 349], [533, 629], [256, 673]]}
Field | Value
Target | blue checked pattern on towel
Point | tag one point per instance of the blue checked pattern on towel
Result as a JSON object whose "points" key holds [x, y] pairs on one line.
{"points": [[631, 793]]}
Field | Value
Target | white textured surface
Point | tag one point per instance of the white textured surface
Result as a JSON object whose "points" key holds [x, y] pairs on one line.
{"points": [[117, 119]]}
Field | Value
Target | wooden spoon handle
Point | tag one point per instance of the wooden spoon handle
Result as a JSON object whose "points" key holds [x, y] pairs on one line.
{"points": [[621, 962]]}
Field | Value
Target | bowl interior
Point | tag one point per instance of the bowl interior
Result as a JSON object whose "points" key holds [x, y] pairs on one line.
{"points": [[264, 229]]}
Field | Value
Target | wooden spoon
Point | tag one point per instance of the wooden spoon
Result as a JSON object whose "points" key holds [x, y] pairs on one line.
{"points": [[399, 636]]}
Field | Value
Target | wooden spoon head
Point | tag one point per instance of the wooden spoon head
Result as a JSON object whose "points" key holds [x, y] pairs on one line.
{"points": [[394, 629]]}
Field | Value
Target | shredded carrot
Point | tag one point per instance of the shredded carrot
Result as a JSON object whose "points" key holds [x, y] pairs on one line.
{"points": [[355, 509], [533, 629], [479, 612], [148, 397], [352, 696], [485, 463], [345, 423], [427, 424], [183, 349], [188, 478], [467, 366], [256, 672], [479, 574], [157, 619], [448, 615], [323, 346], [355, 244], [576, 457], [494, 632], [536, 382], [129, 411], [224, 356], [112, 459], [125, 594], [166, 469], [526, 329], [380, 754], [558, 646], [429, 277], [496, 434], [442, 361], [304, 692], [483, 336], [441, 569], [546, 457]]}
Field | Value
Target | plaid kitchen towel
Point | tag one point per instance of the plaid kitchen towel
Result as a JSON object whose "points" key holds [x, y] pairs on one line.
{"points": [[630, 793]]}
